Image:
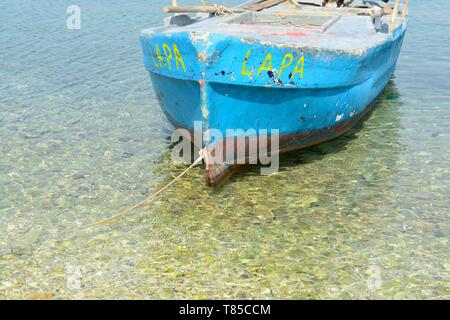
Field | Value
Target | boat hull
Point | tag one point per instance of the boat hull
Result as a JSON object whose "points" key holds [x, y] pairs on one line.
{"points": [[309, 96]]}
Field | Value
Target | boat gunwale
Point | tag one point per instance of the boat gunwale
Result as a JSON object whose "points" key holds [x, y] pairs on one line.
{"points": [[280, 42]]}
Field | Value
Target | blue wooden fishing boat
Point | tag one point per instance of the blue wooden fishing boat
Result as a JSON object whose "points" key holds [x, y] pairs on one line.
{"points": [[310, 69]]}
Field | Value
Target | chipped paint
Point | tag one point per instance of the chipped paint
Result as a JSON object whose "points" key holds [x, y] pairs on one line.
{"points": [[248, 40], [199, 36], [201, 56]]}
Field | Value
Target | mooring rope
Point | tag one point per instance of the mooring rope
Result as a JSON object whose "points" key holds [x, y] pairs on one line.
{"points": [[221, 10], [153, 196]]}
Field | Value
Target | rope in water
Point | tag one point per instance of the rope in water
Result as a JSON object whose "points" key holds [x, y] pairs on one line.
{"points": [[153, 196]]}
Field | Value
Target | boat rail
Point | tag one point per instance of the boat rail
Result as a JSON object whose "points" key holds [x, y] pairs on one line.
{"points": [[404, 13], [256, 5]]}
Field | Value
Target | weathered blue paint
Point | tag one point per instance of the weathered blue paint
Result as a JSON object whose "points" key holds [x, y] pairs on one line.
{"points": [[215, 78]]}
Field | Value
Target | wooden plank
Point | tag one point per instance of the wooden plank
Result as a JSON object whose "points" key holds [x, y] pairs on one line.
{"points": [[264, 5], [394, 16], [405, 10], [359, 12]]}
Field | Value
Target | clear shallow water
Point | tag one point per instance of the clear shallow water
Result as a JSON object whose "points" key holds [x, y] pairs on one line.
{"points": [[82, 136]]}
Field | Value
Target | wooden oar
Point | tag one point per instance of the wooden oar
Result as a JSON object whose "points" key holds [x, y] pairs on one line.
{"points": [[255, 6], [202, 9]]}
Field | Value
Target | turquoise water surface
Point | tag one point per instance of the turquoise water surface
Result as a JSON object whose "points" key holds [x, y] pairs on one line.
{"points": [[82, 137]]}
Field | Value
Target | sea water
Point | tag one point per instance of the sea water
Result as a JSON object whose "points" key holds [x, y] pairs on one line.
{"points": [[82, 137]]}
